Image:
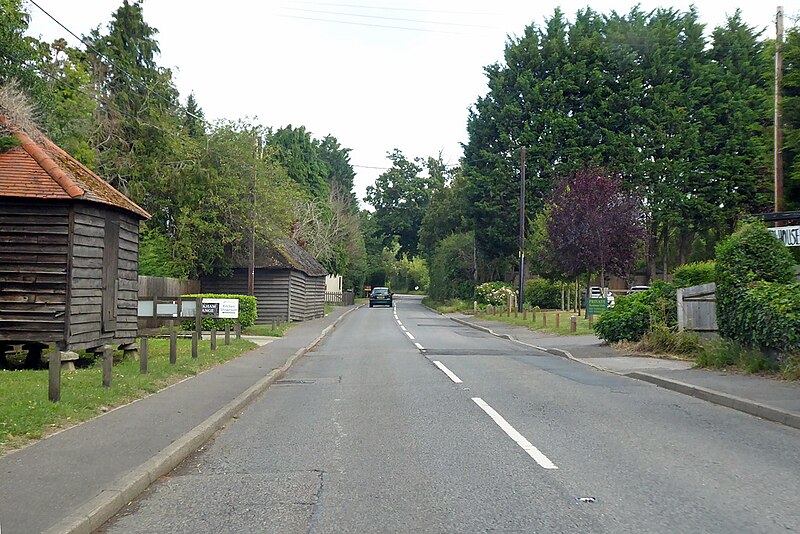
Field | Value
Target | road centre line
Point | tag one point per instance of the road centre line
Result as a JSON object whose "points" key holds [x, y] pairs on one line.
{"points": [[420, 347], [409, 335], [526, 445], [447, 371], [399, 323], [403, 328]]}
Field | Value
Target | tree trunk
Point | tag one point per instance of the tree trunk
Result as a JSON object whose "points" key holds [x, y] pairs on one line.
{"points": [[652, 245], [562, 295], [577, 295], [683, 246], [588, 283]]}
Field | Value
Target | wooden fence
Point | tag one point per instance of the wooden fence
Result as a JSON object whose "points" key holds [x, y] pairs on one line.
{"points": [[345, 298], [697, 308], [159, 287]]}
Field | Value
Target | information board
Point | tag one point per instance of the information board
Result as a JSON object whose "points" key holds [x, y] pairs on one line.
{"points": [[597, 306]]}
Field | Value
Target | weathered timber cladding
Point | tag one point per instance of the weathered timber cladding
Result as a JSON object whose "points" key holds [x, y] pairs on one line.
{"points": [[33, 270], [271, 291], [104, 279]]}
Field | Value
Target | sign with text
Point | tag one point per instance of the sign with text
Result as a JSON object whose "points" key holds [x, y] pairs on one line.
{"points": [[221, 308], [789, 235], [597, 306]]}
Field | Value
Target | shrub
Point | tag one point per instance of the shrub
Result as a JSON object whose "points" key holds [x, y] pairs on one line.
{"points": [[247, 312], [663, 339], [724, 353], [750, 255], [451, 268], [694, 274], [494, 293], [634, 315], [542, 293]]}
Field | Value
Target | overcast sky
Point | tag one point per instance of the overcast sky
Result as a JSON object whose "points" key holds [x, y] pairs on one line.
{"points": [[377, 75]]}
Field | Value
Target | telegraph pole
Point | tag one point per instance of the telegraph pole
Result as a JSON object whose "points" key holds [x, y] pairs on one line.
{"points": [[521, 299], [778, 131]]}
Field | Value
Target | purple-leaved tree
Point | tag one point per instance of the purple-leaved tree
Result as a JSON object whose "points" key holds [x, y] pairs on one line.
{"points": [[595, 225]]}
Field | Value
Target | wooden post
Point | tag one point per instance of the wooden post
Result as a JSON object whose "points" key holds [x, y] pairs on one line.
{"points": [[213, 338], [475, 307], [238, 329], [108, 362], [143, 355], [198, 325], [558, 320], [173, 344], [573, 323], [544, 318], [54, 387], [524, 314], [508, 311], [515, 312], [591, 318], [533, 316], [227, 334], [273, 323]]}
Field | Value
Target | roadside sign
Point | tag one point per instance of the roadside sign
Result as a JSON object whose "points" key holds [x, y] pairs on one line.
{"points": [[597, 306], [221, 308], [788, 235]]}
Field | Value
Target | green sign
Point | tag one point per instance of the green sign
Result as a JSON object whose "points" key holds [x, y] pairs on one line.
{"points": [[597, 306]]}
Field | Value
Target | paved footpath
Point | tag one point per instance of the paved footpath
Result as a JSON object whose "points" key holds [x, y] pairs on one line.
{"points": [[768, 398], [74, 480]]}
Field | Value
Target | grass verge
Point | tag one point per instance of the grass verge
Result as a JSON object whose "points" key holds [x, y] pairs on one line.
{"points": [[541, 321], [267, 330], [27, 415]]}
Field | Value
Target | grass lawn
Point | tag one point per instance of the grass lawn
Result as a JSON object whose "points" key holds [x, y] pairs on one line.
{"points": [[267, 330], [26, 414], [537, 322]]}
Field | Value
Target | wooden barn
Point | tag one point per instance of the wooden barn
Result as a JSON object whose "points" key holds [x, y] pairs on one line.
{"points": [[289, 283], [68, 251]]}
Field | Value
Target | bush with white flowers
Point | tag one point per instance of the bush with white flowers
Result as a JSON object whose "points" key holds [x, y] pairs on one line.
{"points": [[494, 293]]}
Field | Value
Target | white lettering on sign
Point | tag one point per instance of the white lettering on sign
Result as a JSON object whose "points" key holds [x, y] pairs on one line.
{"points": [[222, 308], [789, 235]]}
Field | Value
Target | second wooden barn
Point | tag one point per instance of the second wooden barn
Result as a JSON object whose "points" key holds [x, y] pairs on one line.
{"points": [[68, 251], [289, 283]]}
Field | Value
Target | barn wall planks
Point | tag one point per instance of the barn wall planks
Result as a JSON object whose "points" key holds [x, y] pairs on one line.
{"points": [[33, 270]]}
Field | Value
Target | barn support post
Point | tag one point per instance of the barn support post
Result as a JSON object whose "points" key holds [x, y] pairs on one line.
{"points": [[54, 386], [173, 344], [143, 354], [108, 363]]}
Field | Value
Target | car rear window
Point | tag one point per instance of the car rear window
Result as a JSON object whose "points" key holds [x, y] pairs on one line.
{"points": [[380, 291]]}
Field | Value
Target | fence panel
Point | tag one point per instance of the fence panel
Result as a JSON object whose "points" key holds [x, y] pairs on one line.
{"points": [[345, 298], [697, 308]]}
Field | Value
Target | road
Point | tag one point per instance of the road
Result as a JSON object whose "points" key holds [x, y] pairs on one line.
{"points": [[404, 421]]}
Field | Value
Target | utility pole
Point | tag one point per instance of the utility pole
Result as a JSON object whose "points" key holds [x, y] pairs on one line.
{"points": [[521, 299], [251, 270], [778, 131]]}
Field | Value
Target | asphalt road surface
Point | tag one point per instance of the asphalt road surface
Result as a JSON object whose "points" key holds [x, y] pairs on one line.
{"points": [[404, 421]]}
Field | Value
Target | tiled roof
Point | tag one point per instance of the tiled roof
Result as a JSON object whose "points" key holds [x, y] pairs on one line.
{"points": [[40, 169]]}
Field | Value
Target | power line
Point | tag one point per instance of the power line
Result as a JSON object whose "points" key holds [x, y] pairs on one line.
{"points": [[385, 18], [128, 74], [335, 4], [365, 24]]}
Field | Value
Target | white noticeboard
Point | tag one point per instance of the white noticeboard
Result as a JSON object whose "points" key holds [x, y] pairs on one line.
{"points": [[788, 235], [221, 308]]}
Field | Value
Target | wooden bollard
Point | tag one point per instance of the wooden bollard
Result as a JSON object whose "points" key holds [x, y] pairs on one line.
{"points": [[515, 313], [195, 345], [213, 338], [108, 363], [173, 344], [227, 334], [144, 353], [591, 318], [475, 307], [238, 329], [533, 316], [544, 319], [198, 326], [524, 314], [573, 324], [54, 386], [273, 324], [558, 320]]}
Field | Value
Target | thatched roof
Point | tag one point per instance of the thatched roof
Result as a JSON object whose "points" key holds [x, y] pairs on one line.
{"points": [[284, 253]]}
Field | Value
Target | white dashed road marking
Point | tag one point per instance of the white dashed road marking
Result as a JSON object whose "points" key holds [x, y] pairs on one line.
{"points": [[410, 336], [526, 445], [447, 371], [420, 347]]}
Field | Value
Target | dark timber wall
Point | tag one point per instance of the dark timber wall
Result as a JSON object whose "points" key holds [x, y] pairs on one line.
{"points": [[34, 245], [68, 274]]}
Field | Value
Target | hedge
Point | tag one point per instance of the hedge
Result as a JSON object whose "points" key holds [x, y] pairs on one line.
{"points": [[752, 255], [767, 316], [542, 293], [247, 312], [495, 293], [632, 316], [694, 274]]}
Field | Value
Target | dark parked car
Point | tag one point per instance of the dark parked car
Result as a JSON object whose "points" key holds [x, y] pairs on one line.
{"points": [[380, 295]]}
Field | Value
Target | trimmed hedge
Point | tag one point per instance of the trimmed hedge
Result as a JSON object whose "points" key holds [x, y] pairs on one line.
{"points": [[543, 293], [744, 311], [768, 317], [633, 316], [247, 312], [694, 274]]}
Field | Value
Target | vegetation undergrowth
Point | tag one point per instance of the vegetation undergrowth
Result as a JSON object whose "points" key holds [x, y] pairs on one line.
{"points": [[26, 414], [267, 330]]}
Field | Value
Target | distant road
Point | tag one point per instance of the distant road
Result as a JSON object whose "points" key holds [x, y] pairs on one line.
{"points": [[404, 421]]}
